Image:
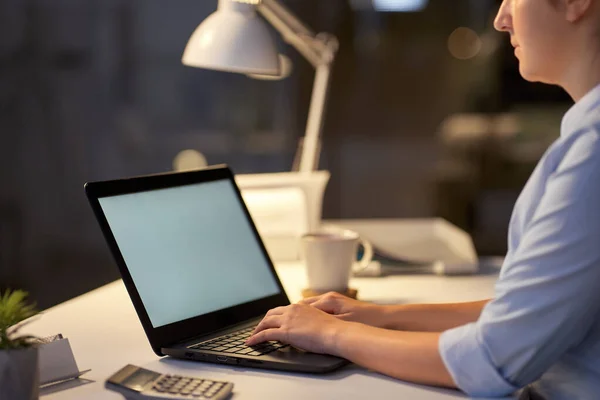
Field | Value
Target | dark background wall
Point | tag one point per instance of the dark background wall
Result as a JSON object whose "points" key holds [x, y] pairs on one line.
{"points": [[94, 89]]}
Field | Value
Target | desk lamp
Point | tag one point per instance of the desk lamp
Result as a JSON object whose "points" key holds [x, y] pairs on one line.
{"points": [[236, 39]]}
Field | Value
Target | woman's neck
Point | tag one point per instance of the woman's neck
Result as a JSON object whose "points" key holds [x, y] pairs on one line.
{"points": [[583, 74]]}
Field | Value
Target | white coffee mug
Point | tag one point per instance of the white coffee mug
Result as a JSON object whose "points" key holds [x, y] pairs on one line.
{"points": [[330, 258]]}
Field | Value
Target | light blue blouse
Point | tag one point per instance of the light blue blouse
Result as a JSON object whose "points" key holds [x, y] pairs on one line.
{"points": [[543, 327]]}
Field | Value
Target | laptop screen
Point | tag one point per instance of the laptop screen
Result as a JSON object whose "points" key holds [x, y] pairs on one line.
{"points": [[190, 250]]}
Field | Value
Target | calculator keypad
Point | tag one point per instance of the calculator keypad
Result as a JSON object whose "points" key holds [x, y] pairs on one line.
{"points": [[185, 386]]}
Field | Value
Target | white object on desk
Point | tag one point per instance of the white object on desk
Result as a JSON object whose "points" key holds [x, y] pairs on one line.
{"points": [[284, 206], [280, 216], [57, 362], [330, 257], [434, 241]]}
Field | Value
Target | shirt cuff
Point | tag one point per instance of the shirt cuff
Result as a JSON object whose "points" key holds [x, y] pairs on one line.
{"points": [[469, 364]]}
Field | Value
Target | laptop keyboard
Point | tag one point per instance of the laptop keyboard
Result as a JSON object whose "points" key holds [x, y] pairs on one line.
{"points": [[233, 343]]}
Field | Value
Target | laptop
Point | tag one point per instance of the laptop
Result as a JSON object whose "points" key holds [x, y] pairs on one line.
{"points": [[195, 268]]}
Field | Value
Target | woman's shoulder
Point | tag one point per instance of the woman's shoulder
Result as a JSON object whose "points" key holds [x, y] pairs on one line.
{"points": [[586, 128], [579, 142], [582, 138]]}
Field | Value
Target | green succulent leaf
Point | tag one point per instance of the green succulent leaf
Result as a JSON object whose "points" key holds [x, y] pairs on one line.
{"points": [[14, 309]]}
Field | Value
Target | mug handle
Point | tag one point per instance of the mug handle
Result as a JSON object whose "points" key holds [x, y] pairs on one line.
{"points": [[367, 257]]}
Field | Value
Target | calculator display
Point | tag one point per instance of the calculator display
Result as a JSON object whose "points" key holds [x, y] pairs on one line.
{"points": [[139, 379]]}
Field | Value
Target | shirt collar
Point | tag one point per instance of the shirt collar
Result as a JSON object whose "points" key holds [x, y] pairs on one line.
{"points": [[579, 110]]}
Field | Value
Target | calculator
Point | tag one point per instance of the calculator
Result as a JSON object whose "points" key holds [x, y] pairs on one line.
{"points": [[140, 384]]}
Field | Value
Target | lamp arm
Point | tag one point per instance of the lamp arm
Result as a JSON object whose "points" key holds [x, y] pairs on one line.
{"points": [[320, 51], [286, 16], [317, 49], [311, 145]]}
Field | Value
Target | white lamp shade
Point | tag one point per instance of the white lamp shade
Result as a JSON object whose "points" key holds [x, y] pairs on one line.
{"points": [[233, 41], [285, 66]]}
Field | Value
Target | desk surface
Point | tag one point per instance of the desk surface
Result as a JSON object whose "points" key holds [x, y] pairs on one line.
{"points": [[105, 334]]}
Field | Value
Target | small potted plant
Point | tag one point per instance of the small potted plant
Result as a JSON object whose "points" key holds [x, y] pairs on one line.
{"points": [[19, 372]]}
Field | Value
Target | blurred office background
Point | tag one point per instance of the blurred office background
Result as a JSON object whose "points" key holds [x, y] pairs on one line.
{"points": [[428, 116]]}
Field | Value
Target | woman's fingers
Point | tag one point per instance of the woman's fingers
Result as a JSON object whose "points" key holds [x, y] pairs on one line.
{"points": [[345, 317], [310, 300], [327, 304], [329, 296], [268, 322], [276, 311], [267, 335]]}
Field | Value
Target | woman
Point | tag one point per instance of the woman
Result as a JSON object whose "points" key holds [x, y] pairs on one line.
{"points": [[542, 329]]}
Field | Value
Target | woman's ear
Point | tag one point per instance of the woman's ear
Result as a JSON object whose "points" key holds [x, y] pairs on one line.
{"points": [[575, 10]]}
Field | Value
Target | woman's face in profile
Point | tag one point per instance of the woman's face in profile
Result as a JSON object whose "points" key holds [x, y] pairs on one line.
{"points": [[536, 29]]}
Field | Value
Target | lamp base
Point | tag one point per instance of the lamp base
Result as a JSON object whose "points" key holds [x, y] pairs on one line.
{"points": [[280, 222]]}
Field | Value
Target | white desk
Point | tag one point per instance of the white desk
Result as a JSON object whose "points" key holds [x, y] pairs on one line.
{"points": [[105, 334]]}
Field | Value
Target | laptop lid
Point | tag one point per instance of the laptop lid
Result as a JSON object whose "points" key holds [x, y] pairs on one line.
{"points": [[188, 252]]}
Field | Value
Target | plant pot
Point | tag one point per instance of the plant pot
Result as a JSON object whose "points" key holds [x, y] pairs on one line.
{"points": [[19, 374]]}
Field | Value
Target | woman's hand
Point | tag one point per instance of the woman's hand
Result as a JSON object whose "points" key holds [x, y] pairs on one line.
{"points": [[300, 325], [348, 309], [411, 356]]}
